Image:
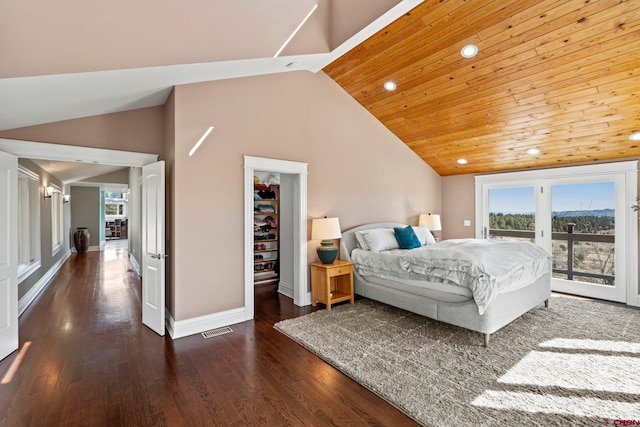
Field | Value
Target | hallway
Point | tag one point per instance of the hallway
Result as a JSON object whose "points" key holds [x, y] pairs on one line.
{"points": [[85, 359]]}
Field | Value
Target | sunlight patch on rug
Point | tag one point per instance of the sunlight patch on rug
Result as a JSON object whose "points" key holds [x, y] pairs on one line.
{"points": [[550, 404], [598, 345], [616, 374]]}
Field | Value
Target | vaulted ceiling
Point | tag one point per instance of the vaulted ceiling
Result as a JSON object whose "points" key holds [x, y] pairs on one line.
{"points": [[68, 59], [557, 75], [562, 76]]}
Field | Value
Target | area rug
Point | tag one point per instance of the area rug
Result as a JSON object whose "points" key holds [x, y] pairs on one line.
{"points": [[576, 362]]}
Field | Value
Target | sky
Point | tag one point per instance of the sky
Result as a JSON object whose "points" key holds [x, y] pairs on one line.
{"points": [[566, 197]]}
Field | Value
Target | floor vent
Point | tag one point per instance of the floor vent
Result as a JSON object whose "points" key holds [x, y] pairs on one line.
{"points": [[217, 332]]}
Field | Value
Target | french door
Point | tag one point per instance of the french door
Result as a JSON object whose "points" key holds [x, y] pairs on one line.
{"points": [[581, 216]]}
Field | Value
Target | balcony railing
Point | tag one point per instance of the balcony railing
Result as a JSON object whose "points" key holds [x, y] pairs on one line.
{"points": [[571, 238]]}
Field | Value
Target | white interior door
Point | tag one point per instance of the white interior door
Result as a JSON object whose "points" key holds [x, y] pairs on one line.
{"points": [[8, 254], [153, 247]]}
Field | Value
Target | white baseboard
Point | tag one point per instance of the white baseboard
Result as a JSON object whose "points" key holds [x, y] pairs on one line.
{"points": [[307, 299], [39, 286], [285, 289], [634, 302], [196, 325], [134, 264]]}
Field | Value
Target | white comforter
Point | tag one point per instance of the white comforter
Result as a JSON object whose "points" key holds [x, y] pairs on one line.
{"points": [[486, 267]]}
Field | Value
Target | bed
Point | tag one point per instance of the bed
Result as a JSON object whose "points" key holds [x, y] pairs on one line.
{"points": [[514, 292]]}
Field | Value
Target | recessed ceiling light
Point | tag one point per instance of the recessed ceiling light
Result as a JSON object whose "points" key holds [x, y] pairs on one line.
{"points": [[635, 136], [462, 161], [469, 51], [390, 86], [533, 151]]}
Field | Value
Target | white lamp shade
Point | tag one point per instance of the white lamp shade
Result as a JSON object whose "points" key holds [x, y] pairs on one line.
{"points": [[325, 228], [431, 221]]}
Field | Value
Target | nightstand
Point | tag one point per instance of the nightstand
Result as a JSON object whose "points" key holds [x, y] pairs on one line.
{"points": [[331, 283]]}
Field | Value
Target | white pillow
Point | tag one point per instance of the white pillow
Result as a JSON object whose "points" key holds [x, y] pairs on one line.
{"points": [[424, 235], [362, 244], [381, 239]]}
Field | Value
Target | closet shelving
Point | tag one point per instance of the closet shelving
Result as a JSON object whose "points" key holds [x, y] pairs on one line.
{"points": [[266, 233]]}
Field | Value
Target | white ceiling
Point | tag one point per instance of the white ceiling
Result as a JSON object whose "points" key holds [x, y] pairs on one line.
{"points": [[70, 60], [74, 172], [89, 89]]}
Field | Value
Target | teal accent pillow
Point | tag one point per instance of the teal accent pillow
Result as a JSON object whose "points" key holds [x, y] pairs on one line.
{"points": [[407, 238]]}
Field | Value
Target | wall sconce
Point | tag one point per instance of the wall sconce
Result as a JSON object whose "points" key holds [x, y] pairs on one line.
{"points": [[66, 198], [326, 229], [48, 191]]}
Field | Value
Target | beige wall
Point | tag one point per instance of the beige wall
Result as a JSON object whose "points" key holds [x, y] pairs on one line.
{"points": [[139, 130], [358, 171], [47, 260], [458, 204], [85, 211]]}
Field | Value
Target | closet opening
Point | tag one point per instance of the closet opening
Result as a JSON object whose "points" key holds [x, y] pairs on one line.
{"points": [[275, 229]]}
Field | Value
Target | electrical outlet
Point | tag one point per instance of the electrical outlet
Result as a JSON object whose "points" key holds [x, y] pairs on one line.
{"points": [[467, 223]]}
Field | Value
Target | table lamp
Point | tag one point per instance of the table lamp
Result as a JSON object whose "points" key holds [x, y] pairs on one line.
{"points": [[326, 229], [431, 221]]}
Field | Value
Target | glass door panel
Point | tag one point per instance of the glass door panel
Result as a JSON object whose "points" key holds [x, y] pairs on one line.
{"points": [[512, 214], [583, 242]]}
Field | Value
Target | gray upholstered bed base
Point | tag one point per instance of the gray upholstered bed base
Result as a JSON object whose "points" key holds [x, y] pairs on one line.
{"points": [[503, 310]]}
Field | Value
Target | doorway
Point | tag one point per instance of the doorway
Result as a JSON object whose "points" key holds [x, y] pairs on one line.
{"points": [[65, 153], [298, 174]]}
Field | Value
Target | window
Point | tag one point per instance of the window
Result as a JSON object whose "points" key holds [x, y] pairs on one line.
{"points": [[114, 209], [57, 218], [115, 205], [511, 214], [28, 223]]}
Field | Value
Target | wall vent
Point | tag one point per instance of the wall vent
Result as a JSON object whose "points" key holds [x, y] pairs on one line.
{"points": [[216, 332]]}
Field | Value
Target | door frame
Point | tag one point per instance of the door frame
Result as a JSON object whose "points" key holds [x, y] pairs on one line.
{"points": [[71, 153], [301, 295], [540, 178]]}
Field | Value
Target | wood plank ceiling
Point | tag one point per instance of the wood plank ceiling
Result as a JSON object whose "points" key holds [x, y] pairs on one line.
{"points": [[562, 76]]}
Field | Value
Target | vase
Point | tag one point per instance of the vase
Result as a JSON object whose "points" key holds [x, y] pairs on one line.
{"points": [[81, 239]]}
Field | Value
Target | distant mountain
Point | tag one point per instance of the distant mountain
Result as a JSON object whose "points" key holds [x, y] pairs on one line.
{"points": [[563, 214], [598, 213]]}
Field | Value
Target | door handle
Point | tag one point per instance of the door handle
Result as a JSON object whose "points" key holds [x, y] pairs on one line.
{"points": [[158, 256]]}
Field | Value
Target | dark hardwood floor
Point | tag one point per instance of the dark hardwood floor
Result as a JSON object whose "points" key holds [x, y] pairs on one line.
{"points": [[85, 359]]}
